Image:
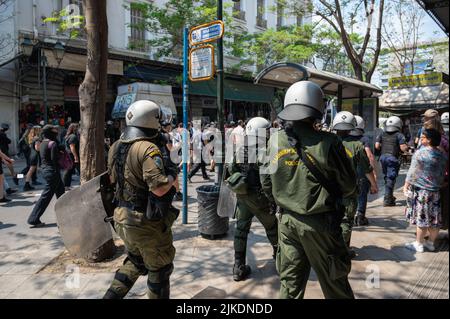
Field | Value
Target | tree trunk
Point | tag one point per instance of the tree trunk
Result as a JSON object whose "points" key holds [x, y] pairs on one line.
{"points": [[92, 94]]}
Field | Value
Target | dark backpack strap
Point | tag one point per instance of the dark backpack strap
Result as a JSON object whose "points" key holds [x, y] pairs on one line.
{"points": [[332, 187], [120, 158]]}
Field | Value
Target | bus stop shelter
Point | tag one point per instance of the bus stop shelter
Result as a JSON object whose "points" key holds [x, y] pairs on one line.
{"points": [[284, 74]]}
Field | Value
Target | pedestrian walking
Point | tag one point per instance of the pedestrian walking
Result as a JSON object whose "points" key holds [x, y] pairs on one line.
{"points": [[6, 159], [343, 123], [251, 200], [49, 152], [391, 142], [363, 182], [35, 139], [72, 145], [423, 183], [4, 147], [311, 182]]}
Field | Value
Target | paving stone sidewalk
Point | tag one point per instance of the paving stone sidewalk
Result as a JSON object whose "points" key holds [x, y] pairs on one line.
{"points": [[383, 268]]}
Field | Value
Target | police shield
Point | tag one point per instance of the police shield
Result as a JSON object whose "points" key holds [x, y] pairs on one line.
{"points": [[82, 218], [227, 201]]}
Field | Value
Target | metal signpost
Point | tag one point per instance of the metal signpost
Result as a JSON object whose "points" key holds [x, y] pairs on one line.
{"points": [[198, 65]]}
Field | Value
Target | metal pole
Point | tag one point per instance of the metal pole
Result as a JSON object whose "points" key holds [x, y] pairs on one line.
{"points": [[220, 96], [185, 150], [44, 76]]}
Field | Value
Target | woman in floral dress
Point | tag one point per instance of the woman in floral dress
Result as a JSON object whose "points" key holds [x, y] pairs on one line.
{"points": [[423, 182]]}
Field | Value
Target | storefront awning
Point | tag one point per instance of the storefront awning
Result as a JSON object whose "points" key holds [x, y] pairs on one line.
{"points": [[284, 74], [234, 90], [438, 10], [416, 98]]}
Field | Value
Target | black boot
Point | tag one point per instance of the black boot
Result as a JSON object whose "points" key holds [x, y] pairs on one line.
{"points": [[240, 270], [389, 201], [27, 187]]}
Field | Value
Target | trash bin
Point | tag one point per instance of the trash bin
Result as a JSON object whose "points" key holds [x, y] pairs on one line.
{"points": [[210, 225]]}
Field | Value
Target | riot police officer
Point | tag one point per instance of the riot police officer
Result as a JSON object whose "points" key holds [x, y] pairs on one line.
{"points": [[343, 123], [144, 215], [391, 142], [310, 182], [252, 201]]}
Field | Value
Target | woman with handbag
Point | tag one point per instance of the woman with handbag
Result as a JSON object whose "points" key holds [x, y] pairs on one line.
{"points": [[50, 153], [34, 138]]}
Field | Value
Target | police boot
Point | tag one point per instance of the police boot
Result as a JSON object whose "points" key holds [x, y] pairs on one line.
{"points": [[240, 269], [361, 220]]}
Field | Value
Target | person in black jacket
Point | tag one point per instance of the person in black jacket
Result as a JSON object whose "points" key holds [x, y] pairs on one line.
{"points": [[49, 152]]}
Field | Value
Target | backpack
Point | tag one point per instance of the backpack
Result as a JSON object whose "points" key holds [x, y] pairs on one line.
{"points": [[64, 160]]}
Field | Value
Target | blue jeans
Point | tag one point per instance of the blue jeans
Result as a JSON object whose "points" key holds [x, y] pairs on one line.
{"points": [[53, 185], [364, 187], [391, 166]]}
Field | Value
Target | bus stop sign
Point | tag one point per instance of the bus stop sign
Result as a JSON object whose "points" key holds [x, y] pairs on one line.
{"points": [[208, 32]]}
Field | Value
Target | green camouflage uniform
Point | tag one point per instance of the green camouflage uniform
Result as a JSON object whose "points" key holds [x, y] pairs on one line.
{"points": [[149, 243], [358, 156], [254, 203], [308, 232]]}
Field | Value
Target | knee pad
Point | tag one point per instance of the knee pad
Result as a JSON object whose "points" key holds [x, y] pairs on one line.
{"points": [[159, 281], [138, 262]]}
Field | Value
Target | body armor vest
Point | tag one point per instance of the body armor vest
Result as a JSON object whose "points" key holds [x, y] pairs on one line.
{"points": [[250, 171], [135, 196], [390, 144]]}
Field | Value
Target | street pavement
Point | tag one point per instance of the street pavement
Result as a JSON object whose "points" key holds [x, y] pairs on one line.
{"points": [[32, 263]]}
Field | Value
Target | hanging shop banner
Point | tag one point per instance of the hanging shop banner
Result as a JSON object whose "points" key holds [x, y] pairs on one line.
{"points": [[426, 79], [201, 63], [205, 33]]}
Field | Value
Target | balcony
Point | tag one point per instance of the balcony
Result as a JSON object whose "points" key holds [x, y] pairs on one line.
{"points": [[261, 22]]}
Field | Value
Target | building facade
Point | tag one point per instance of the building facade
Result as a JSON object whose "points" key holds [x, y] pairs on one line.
{"points": [[429, 56], [24, 88]]}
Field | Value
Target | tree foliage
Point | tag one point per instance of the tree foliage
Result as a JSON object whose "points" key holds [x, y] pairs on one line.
{"points": [[349, 18]]}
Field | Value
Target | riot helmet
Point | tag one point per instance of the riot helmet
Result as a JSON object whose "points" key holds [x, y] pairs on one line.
{"points": [[253, 127], [344, 121], [360, 126], [144, 114], [303, 100], [393, 124]]}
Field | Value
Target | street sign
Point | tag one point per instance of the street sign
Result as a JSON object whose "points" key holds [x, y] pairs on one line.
{"points": [[201, 63], [208, 32]]}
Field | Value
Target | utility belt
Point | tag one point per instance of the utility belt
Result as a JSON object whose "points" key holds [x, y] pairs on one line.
{"points": [[156, 207]]}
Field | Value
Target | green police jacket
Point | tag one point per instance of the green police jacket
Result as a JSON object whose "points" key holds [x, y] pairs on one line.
{"points": [[290, 184], [357, 154]]}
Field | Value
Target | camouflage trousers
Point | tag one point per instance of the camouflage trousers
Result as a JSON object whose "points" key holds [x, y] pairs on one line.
{"points": [[150, 251]]}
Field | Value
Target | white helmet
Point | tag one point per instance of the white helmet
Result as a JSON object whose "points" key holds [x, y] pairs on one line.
{"points": [[360, 126], [255, 124], [393, 124], [304, 99], [444, 118], [144, 114], [253, 128], [344, 121]]}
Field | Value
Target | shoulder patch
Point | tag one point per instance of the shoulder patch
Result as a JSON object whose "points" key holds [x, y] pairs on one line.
{"points": [[155, 153], [158, 162]]}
